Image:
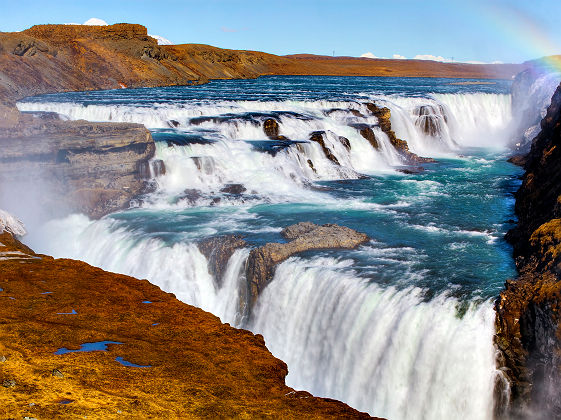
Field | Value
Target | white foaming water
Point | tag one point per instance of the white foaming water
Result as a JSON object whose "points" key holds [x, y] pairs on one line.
{"points": [[383, 351], [455, 120], [466, 120]]}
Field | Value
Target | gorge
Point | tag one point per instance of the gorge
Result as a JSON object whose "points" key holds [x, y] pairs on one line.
{"points": [[417, 165]]}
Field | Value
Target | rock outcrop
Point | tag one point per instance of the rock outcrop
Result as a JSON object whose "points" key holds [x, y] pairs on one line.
{"points": [[384, 115], [302, 237], [317, 137], [155, 357], [66, 166], [218, 250], [528, 320]]}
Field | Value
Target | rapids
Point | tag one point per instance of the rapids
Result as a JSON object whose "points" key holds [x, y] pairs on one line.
{"points": [[401, 327]]}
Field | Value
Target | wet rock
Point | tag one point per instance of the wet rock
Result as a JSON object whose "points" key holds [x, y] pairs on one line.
{"points": [[151, 169], [317, 137], [205, 164], [518, 160], [311, 165], [92, 168], [234, 189], [366, 131], [173, 123], [351, 111], [218, 251], [304, 236], [412, 170], [430, 119], [57, 373], [191, 195], [271, 128], [384, 115], [299, 229], [345, 142]]}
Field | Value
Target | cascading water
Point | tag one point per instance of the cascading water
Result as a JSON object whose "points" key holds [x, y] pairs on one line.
{"points": [[401, 327]]}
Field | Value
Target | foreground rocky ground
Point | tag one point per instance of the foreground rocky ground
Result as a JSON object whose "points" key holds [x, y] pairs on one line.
{"points": [[189, 364]]}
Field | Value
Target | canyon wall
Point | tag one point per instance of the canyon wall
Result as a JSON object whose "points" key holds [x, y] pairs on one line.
{"points": [[528, 321]]}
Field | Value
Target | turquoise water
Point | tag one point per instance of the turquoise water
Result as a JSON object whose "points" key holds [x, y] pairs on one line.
{"points": [[400, 327]]}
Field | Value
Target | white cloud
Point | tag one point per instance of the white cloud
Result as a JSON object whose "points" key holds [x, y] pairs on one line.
{"points": [[161, 40], [399, 57], [95, 22], [369, 55], [432, 58]]}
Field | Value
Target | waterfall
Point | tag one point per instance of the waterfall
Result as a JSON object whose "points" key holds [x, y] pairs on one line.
{"points": [[401, 348], [343, 337]]}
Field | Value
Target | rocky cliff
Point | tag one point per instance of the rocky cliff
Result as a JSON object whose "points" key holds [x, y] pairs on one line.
{"points": [[77, 341], [72, 166], [528, 321]]}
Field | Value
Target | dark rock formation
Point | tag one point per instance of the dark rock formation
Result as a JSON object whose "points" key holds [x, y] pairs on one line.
{"points": [[151, 169], [528, 320], [197, 367], [303, 236], [92, 168], [430, 119], [317, 137], [271, 128], [234, 189], [345, 142], [366, 131], [384, 114], [218, 250]]}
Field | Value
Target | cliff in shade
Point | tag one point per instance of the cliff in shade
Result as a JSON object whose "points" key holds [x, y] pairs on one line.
{"points": [[188, 364], [528, 321]]}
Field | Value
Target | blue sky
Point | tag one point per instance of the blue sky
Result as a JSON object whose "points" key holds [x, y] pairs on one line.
{"points": [[468, 30]]}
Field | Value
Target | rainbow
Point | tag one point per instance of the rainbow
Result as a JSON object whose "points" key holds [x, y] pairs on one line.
{"points": [[525, 32]]}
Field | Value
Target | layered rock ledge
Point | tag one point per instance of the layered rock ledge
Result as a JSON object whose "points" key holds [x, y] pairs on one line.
{"points": [[164, 359], [73, 166]]}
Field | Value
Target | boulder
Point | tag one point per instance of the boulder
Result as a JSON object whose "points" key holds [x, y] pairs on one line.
{"points": [[366, 131], [234, 189], [271, 128]]}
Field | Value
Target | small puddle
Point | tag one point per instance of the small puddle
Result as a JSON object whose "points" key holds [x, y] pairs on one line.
{"points": [[65, 401], [68, 313], [97, 346], [146, 301], [129, 364]]}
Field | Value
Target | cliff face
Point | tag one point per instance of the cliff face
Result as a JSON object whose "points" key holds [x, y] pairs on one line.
{"points": [[528, 320], [66, 166], [185, 362]]}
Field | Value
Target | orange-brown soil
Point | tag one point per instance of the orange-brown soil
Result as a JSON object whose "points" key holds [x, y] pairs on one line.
{"points": [[199, 367]]}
